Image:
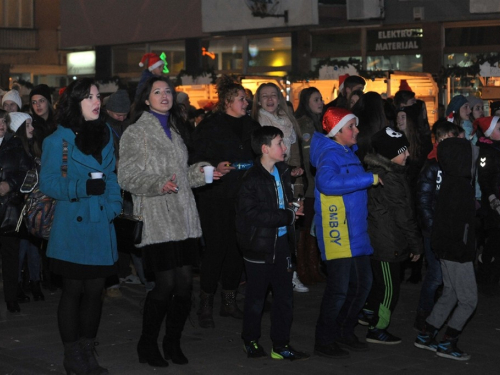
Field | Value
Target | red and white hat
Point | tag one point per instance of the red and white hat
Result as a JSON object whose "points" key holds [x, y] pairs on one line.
{"points": [[335, 118], [152, 60], [403, 85], [341, 81], [487, 124]]}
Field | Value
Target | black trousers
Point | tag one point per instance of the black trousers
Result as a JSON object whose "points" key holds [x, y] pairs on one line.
{"points": [[10, 266], [259, 277], [222, 259]]}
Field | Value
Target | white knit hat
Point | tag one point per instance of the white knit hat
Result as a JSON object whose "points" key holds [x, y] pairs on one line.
{"points": [[14, 96], [17, 119]]}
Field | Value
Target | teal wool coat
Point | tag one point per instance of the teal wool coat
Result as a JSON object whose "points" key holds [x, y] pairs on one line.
{"points": [[82, 231]]}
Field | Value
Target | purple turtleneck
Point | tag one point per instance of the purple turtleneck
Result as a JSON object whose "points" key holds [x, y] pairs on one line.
{"points": [[164, 122]]}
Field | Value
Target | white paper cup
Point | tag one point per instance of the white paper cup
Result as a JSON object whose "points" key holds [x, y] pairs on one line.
{"points": [[96, 175], [209, 173]]}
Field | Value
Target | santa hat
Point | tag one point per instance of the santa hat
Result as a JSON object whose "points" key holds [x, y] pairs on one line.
{"points": [[152, 60], [335, 118], [341, 81], [17, 119], [487, 124], [451, 117], [13, 95], [403, 85]]}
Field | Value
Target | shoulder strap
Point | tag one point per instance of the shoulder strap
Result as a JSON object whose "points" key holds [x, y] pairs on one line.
{"points": [[64, 166]]}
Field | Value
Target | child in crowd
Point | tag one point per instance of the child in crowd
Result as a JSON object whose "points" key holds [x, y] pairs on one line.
{"points": [[342, 231], [489, 181], [428, 187], [393, 230], [154, 67], [265, 224], [453, 241]]}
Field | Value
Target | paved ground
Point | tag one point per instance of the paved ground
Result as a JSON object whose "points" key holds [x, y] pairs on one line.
{"points": [[30, 344]]}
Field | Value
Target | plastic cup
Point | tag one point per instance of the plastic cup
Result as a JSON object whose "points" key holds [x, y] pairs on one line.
{"points": [[96, 175], [209, 173]]}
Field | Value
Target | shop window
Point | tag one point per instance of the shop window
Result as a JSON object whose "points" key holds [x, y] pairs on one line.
{"points": [[270, 52], [175, 55], [472, 36], [405, 63], [223, 54], [332, 42], [16, 13], [316, 60]]}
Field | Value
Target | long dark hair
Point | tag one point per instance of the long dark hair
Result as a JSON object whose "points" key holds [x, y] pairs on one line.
{"points": [[31, 146], [69, 111], [304, 110]]}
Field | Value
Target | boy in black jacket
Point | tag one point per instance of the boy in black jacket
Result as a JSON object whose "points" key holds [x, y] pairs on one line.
{"points": [[265, 225]]}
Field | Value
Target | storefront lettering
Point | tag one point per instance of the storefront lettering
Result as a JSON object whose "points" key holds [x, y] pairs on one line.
{"points": [[394, 46]]}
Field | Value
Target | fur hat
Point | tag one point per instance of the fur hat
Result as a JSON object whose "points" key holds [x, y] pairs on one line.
{"points": [[403, 85], [335, 118], [17, 119], [43, 90], [486, 124], [14, 96], [389, 143], [119, 102], [152, 60], [455, 104]]}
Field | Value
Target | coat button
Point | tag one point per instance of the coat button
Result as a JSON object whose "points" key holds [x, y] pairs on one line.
{"points": [[79, 218], [102, 208]]}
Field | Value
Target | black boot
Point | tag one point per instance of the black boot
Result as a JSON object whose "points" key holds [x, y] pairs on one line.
{"points": [[74, 359], [36, 290], [88, 346], [147, 348], [21, 296], [177, 314], [229, 306], [205, 312]]}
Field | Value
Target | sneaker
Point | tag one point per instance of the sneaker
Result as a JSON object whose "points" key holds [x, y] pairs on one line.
{"points": [[132, 279], [254, 350], [287, 352], [114, 292], [426, 341], [381, 336], [352, 343], [331, 351], [297, 284], [448, 349], [365, 317]]}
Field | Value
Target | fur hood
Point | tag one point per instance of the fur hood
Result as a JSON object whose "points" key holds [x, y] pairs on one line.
{"points": [[378, 162]]}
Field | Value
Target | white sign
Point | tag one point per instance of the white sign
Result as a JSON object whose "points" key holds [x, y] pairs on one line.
{"points": [[486, 70], [81, 63], [227, 15]]}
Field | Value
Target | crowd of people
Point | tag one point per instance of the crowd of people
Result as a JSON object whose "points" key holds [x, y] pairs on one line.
{"points": [[344, 193]]}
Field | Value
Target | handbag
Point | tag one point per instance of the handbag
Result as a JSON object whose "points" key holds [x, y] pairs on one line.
{"points": [[38, 211], [128, 227], [10, 211]]}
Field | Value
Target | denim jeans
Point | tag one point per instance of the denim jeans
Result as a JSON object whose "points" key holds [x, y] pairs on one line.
{"points": [[29, 250], [347, 286], [432, 280]]}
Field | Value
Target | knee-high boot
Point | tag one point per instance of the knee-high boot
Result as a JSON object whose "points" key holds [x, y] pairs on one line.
{"points": [[177, 313], [147, 348]]}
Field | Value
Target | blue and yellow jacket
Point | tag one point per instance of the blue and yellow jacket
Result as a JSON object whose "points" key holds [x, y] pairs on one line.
{"points": [[341, 199]]}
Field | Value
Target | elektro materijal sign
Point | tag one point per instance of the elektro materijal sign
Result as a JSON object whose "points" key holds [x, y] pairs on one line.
{"points": [[394, 40]]}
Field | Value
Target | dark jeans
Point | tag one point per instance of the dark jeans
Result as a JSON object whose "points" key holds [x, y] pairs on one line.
{"points": [[259, 277], [222, 259], [348, 283], [432, 280], [10, 266], [29, 250]]}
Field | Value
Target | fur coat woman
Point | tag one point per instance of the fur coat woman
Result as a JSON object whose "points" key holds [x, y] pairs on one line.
{"points": [[149, 159]]}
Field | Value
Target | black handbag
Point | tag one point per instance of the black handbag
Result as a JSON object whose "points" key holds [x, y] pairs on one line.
{"points": [[10, 211], [128, 227]]}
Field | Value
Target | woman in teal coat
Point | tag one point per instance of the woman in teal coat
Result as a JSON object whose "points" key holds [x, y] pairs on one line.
{"points": [[82, 243]]}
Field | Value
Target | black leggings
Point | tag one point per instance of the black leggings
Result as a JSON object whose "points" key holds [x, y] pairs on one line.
{"points": [[80, 308], [177, 281]]}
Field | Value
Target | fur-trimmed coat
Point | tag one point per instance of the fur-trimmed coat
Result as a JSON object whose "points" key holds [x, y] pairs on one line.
{"points": [[148, 160]]}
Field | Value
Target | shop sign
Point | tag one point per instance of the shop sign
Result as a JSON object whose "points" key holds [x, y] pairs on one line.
{"points": [[81, 63], [394, 40]]}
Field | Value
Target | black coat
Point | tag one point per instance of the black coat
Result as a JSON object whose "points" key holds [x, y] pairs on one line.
{"points": [[489, 177], [453, 234], [428, 187], [392, 224], [258, 215]]}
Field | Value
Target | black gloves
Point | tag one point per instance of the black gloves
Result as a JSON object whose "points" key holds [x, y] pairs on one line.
{"points": [[96, 186]]}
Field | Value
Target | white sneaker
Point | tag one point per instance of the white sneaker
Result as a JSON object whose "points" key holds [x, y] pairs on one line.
{"points": [[297, 284]]}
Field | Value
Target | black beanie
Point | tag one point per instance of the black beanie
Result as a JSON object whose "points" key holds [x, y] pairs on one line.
{"points": [[43, 90], [119, 102], [389, 143]]}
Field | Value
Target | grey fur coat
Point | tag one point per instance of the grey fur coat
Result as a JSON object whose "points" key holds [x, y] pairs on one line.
{"points": [[148, 159]]}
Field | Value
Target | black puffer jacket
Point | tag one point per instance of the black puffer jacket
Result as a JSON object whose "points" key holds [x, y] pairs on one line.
{"points": [[489, 177], [453, 234], [428, 186], [258, 215], [392, 225], [218, 138]]}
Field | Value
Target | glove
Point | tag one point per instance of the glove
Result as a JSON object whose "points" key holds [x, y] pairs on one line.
{"points": [[495, 203], [96, 186]]}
